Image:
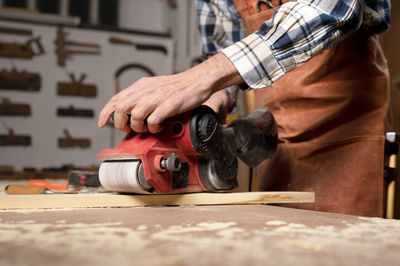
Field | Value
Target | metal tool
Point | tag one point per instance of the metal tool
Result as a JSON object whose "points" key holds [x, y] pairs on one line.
{"points": [[15, 189], [18, 31], [139, 46], [76, 87], [26, 190], [19, 80], [46, 184], [64, 47], [14, 109], [193, 153], [74, 112], [130, 66], [14, 140], [27, 50], [82, 178], [69, 142], [77, 179]]}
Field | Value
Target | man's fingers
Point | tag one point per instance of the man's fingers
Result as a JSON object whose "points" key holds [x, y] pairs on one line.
{"points": [[103, 120], [155, 119], [121, 121], [106, 112], [166, 109], [138, 118], [104, 116], [170, 107]]}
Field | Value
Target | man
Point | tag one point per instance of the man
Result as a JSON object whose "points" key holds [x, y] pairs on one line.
{"points": [[330, 110]]}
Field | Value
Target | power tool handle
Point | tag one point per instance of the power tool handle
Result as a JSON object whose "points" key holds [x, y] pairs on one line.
{"points": [[263, 119], [256, 136]]}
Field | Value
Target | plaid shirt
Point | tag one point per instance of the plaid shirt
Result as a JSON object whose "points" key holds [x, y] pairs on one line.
{"points": [[297, 31]]}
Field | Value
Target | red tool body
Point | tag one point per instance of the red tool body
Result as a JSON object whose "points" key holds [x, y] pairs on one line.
{"points": [[193, 153], [150, 149]]}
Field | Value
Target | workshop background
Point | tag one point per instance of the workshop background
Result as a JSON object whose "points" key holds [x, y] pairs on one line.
{"points": [[60, 62], [68, 57]]}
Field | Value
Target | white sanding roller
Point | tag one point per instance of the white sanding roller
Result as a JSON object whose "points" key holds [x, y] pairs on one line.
{"points": [[121, 176]]}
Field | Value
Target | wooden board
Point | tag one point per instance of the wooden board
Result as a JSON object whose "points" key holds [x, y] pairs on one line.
{"points": [[101, 200]]}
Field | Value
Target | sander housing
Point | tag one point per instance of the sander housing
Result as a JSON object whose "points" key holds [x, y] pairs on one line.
{"points": [[193, 153]]}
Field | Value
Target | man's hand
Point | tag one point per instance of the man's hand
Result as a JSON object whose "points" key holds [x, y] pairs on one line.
{"points": [[222, 101], [151, 100]]}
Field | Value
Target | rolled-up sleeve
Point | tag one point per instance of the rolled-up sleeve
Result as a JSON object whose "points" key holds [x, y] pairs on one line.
{"points": [[297, 31]]}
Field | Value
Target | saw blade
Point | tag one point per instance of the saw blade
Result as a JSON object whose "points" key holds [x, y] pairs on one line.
{"points": [[121, 176]]}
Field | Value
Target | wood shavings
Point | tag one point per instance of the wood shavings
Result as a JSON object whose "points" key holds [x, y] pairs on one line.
{"points": [[141, 227], [174, 236], [276, 223], [305, 245], [179, 232]]}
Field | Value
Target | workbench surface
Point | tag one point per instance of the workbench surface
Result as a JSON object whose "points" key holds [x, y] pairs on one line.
{"points": [[195, 235]]}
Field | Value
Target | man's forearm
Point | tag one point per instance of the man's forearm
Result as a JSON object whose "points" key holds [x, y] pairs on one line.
{"points": [[218, 71]]}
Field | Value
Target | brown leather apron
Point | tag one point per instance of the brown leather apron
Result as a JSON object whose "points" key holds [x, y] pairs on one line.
{"points": [[330, 114]]}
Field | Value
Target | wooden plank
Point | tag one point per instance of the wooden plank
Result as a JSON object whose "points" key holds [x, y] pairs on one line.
{"points": [[101, 200]]}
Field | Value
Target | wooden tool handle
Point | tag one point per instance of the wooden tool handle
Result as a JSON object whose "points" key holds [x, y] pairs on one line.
{"points": [[24, 190], [116, 40], [15, 31]]}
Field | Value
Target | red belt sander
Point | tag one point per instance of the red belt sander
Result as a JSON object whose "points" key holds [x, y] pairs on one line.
{"points": [[193, 153]]}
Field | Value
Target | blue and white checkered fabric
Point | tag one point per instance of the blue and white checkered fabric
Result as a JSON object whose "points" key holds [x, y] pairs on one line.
{"points": [[298, 30]]}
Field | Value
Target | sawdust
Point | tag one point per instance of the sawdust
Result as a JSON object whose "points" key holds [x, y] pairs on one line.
{"points": [[141, 227], [176, 232], [357, 237], [38, 210], [27, 222], [276, 223], [373, 228], [231, 233], [210, 242], [291, 226], [389, 222], [82, 240], [113, 240], [305, 245]]}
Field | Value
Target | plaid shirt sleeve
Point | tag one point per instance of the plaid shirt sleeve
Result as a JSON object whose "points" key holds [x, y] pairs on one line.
{"points": [[299, 30], [220, 25]]}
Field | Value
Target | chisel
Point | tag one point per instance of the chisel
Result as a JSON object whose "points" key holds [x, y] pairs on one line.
{"points": [[29, 190]]}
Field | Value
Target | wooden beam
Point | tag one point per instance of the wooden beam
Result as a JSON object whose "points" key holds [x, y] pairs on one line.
{"points": [[102, 200]]}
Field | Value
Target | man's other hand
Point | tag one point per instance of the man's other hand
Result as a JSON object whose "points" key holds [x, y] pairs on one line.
{"points": [[222, 101]]}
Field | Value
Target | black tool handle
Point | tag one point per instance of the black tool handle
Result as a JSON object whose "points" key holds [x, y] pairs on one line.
{"points": [[256, 136]]}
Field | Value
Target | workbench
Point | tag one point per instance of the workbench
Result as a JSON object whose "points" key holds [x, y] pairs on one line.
{"points": [[195, 235]]}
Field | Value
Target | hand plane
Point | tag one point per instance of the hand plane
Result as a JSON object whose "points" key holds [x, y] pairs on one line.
{"points": [[193, 153]]}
